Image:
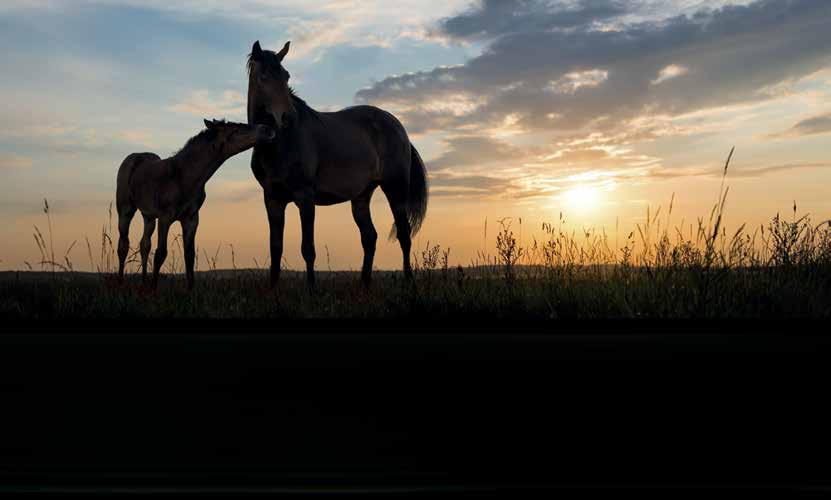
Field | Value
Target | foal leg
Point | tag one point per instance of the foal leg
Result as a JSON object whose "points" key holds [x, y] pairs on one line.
{"points": [[161, 250], [369, 237], [276, 211], [306, 204], [125, 216], [189, 236], [149, 228]]}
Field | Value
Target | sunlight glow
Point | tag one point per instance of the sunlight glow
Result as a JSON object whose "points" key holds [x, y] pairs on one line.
{"points": [[581, 198]]}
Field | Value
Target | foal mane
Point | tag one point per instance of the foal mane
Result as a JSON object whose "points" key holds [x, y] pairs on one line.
{"points": [[204, 137]]}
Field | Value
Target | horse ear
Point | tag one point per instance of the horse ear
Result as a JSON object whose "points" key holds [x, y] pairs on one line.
{"points": [[256, 51], [284, 51], [209, 124]]}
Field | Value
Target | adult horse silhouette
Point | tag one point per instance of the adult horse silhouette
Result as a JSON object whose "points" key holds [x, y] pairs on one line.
{"points": [[321, 158]]}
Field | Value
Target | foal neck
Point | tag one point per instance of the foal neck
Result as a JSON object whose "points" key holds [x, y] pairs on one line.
{"points": [[198, 164]]}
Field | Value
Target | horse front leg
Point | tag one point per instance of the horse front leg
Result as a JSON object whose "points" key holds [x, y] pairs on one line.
{"points": [[276, 223], [161, 250], [306, 205], [369, 236]]}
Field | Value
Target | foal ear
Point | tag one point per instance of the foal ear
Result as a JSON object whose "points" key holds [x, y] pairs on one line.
{"points": [[209, 124], [256, 51], [283, 51]]}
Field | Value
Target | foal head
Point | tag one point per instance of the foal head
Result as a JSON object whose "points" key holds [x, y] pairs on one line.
{"points": [[230, 138], [268, 86]]}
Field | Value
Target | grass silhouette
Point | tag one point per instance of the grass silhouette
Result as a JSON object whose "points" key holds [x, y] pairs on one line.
{"points": [[779, 270]]}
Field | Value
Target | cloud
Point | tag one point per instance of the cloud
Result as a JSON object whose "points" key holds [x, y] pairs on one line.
{"points": [[473, 150], [733, 173], [489, 168], [493, 18], [313, 25], [14, 162], [59, 137], [73, 138], [810, 126], [233, 191], [670, 72], [446, 184], [139, 138], [206, 104], [734, 54], [759, 172], [572, 82]]}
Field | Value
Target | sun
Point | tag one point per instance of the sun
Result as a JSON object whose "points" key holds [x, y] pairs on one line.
{"points": [[581, 198]]}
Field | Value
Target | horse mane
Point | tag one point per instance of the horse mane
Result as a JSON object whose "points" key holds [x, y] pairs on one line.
{"points": [[206, 136], [302, 107], [272, 63]]}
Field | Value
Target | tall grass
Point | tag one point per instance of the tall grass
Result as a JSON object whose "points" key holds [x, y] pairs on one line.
{"points": [[659, 269]]}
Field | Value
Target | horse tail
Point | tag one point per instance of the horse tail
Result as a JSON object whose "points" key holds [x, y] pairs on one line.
{"points": [[417, 195]]}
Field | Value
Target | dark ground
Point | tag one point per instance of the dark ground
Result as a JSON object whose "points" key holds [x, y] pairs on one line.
{"points": [[412, 408], [454, 392], [593, 292]]}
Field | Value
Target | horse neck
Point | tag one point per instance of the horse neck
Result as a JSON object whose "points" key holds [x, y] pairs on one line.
{"points": [[199, 166], [252, 105]]}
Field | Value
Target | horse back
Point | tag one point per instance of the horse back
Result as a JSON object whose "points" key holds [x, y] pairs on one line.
{"points": [[371, 125], [382, 126]]}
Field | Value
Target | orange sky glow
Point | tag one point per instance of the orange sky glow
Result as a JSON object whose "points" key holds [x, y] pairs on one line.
{"points": [[515, 119]]}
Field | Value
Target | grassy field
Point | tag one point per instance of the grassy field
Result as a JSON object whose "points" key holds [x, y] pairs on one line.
{"points": [[778, 270], [595, 292], [782, 270]]}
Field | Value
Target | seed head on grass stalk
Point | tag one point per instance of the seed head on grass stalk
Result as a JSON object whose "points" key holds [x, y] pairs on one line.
{"points": [[91, 261], [41, 246], [216, 256], [51, 242], [724, 173], [66, 256]]}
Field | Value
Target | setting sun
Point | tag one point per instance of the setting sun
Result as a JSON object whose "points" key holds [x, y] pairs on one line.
{"points": [[581, 198]]}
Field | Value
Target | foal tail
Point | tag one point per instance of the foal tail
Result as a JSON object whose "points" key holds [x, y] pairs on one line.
{"points": [[125, 173], [417, 195], [122, 188]]}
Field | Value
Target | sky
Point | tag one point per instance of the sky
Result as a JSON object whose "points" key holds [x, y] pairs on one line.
{"points": [[521, 109]]}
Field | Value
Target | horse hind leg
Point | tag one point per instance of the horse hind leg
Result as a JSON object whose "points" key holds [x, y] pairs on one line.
{"points": [[125, 217], [398, 204], [402, 227], [189, 227], [161, 251], [146, 244], [369, 237]]}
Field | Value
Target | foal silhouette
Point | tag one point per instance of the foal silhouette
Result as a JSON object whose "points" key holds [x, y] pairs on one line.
{"points": [[174, 189]]}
